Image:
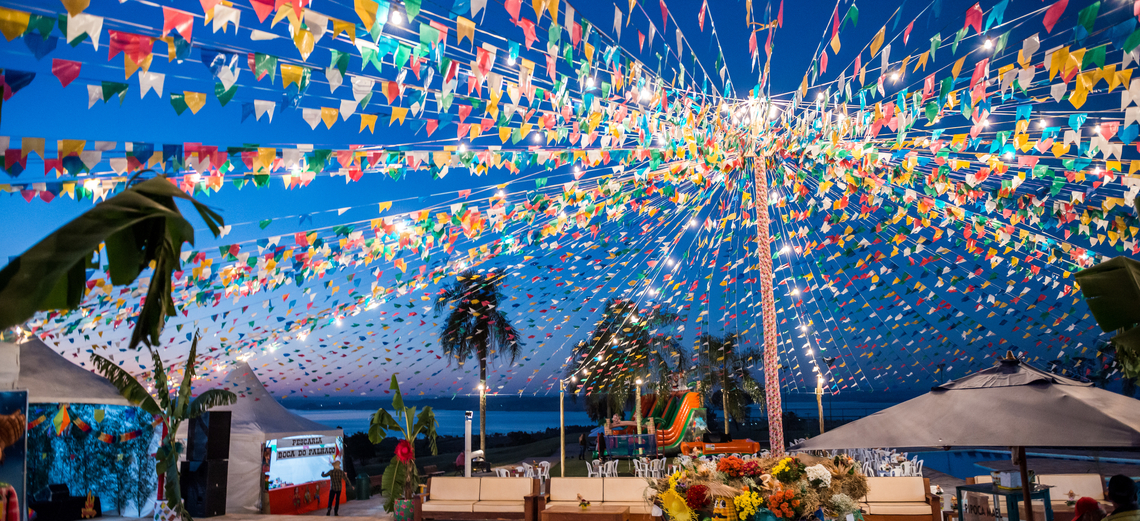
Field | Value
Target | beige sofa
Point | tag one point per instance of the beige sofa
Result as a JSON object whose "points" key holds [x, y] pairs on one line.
{"points": [[477, 498], [900, 499], [634, 493]]}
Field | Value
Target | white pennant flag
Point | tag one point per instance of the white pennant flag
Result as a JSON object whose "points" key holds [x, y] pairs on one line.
{"points": [[258, 36], [151, 81], [225, 14], [361, 87], [262, 107], [617, 22], [568, 22], [347, 108], [94, 93], [335, 78], [317, 24], [312, 117], [85, 23], [478, 5]]}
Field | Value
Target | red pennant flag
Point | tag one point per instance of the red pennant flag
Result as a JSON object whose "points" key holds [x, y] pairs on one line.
{"points": [[180, 21], [752, 44], [65, 70], [528, 30], [780, 16], [640, 41], [1054, 13], [701, 15], [664, 15], [431, 125], [263, 8], [768, 44], [974, 18], [823, 62], [906, 33]]}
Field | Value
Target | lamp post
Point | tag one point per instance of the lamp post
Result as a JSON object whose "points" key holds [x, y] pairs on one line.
{"points": [[482, 415], [819, 399], [562, 425], [637, 407]]}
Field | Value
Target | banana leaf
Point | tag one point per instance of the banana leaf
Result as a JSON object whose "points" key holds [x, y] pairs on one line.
{"points": [[139, 226], [1112, 291]]}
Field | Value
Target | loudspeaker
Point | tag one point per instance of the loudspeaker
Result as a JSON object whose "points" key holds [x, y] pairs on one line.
{"points": [[209, 437], [204, 487]]}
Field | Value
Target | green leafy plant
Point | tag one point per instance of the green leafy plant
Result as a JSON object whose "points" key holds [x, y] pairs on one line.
{"points": [[172, 410], [728, 369], [400, 476], [139, 227]]}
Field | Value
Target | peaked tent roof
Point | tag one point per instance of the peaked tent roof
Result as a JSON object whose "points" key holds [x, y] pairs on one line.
{"points": [[257, 411], [51, 378]]}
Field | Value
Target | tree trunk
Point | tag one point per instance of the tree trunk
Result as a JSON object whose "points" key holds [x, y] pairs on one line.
{"points": [[483, 405]]}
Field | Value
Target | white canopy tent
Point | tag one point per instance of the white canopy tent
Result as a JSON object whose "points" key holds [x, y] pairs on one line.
{"points": [[257, 417], [49, 377]]}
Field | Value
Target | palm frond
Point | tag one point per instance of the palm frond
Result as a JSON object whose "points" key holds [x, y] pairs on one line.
{"points": [[426, 425], [161, 383], [185, 388], [381, 422], [210, 399], [128, 386], [138, 226]]}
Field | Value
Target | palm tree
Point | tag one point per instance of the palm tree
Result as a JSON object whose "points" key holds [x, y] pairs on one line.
{"points": [[728, 370], [139, 226], [623, 348], [477, 326], [171, 410]]}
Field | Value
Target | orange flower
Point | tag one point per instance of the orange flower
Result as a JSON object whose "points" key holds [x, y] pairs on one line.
{"points": [[795, 502]]}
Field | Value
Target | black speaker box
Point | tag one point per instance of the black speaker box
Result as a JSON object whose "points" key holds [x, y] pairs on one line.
{"points": [[204, 487], [209, 437]]}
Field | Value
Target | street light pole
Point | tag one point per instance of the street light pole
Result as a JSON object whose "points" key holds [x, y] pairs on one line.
{"points": [[562, 423], [819, 400]]}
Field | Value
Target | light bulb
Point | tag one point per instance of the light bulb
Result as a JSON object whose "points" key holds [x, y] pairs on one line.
{"points": [[819, 96], [396, 18], [462, 148], [589, 83], [989, 43], [894, 76], [537, 137], [510, 60], [1041, 124]]}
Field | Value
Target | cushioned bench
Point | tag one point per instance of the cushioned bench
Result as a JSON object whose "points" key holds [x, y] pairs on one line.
{"points": [[477, 498], [900, 499], [628, 492]]}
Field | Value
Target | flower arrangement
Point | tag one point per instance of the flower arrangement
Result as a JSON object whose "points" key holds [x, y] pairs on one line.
{"points": [[791, 488], [731, 465], [786, 503], [818, 476], [697, 497], [748, 503]]}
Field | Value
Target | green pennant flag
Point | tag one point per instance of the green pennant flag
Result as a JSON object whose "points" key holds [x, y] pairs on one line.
{"points": [[112, 88], [224, 96], [178, 101], [413, 8]]}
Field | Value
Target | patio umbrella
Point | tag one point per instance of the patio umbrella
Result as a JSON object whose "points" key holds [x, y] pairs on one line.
{"points": [[1011, 404]]}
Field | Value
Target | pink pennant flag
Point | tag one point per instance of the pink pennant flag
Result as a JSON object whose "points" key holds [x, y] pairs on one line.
{"points": [[906, 33], [701, 15], [528, 29], [512, 7], [752, 44], [664, 15], [835, 21], [1054, 13], [780, 16], [65, 70], [180, 21], [640, 41]]}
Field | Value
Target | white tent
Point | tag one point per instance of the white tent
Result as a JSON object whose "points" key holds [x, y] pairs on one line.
{"points": [[49, 377], [257, 417]]}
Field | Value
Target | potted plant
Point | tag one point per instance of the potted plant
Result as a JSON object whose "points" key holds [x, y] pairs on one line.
{"points": [[400, 477], [171, 410]]}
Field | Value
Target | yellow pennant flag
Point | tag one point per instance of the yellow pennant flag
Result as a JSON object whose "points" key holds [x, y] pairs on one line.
{"points": [[194, 100], [877, 42], [464, 28], [398, 113], [13, 23], [368, 120], [339, 26], [835, 44], [957, 67], [385, 206], [74, 7], [366, 10], [304, 41], [291, 74], [328, 115]]}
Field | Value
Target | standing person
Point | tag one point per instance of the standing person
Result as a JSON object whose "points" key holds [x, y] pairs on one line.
{"points": [[1122, 493], [601, 445], [339, 478], [583, 441]]}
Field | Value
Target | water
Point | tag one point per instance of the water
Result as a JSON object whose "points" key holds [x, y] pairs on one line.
{"points": [[451, 422], [961, 464]]}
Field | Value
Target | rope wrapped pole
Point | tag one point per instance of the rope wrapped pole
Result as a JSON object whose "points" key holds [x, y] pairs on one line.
{"points": [[768, 309]]}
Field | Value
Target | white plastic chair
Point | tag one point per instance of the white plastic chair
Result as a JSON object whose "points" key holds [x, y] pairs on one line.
{"points": [[543, 470], [611, 470], [640, 469], [658, 468], [594, 469], [502, 473], [528, 470]]}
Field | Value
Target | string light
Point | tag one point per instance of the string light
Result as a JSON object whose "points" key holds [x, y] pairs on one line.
{"points": [[396, 18]]}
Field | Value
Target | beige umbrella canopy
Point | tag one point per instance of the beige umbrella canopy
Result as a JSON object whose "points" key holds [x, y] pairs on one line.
{"points": [[1011, 404]]}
